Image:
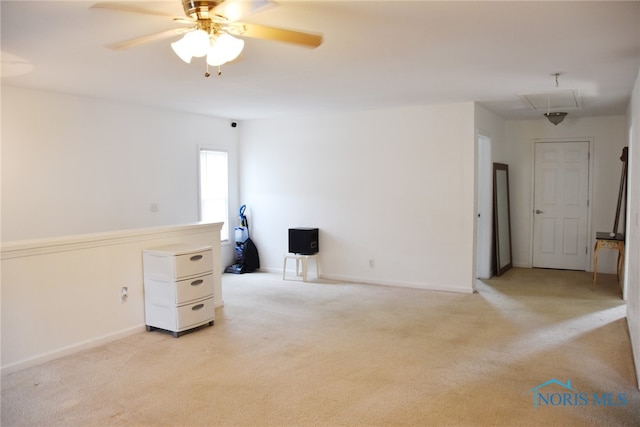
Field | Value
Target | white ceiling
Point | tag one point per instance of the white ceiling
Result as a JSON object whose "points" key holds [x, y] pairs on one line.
{"points": [[375, 54]]}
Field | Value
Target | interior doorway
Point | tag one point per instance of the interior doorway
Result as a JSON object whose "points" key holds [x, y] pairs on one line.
{"points": [[561, 205], [484, 226]]}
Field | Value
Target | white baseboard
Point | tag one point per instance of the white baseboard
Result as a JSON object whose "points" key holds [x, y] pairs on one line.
{"points": [[74, 348], [400, 284]]}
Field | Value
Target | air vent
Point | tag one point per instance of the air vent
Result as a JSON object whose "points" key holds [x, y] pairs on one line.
{"points": [[554, 100]]}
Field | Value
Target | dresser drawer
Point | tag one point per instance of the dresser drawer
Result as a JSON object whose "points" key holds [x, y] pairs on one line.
{"points": [[192, 289], [193, 263], [195, 314], [172, 293], [176, 262], [180, 318]]}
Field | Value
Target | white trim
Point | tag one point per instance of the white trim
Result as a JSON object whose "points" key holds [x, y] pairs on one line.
{"points": [[71, 349], [477, 202], [83, 241], [397, 284]]}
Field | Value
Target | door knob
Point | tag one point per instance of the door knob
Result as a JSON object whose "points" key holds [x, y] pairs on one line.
{"points": [[538, 211]]}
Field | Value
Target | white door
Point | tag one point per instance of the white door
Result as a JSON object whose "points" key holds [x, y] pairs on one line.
{"points": [[484, 235], [561, 189]]}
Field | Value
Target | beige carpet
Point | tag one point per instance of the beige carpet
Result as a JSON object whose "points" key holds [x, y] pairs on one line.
{"points": [[286, 353]]}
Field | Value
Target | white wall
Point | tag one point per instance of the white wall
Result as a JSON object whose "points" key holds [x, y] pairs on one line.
{"points": [[632, 278], [74, 165], [493, 126], [394, 186], [609, 136]]}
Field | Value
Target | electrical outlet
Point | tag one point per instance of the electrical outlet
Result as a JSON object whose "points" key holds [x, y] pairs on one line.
{"points": [[124, 294]]}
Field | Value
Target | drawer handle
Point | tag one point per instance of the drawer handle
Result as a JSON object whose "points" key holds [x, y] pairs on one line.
{"points": [[197, 307], [196, 258], [197, 282]]}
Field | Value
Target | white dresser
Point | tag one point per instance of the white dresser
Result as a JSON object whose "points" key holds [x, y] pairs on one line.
{"points": [[178, 287]]}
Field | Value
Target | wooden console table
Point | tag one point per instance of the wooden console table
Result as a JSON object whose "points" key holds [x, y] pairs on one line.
{"points": [[605, 240], [614, 240]]}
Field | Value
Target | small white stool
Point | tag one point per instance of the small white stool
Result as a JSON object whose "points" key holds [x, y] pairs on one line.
{"points": [[304, 259]]}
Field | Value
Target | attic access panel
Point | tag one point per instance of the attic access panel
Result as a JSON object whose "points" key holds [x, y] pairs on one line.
{"points": [[553, 100]]}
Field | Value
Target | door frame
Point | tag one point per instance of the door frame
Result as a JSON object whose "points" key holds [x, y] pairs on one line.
{"points": [[484, 206], [534, 141]]}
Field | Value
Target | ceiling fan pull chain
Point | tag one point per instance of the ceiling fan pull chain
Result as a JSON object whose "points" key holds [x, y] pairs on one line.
{"points": [[207, 73]]}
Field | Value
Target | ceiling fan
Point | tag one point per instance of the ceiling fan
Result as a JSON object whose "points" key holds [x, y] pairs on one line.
{"points": [[210, 29]]}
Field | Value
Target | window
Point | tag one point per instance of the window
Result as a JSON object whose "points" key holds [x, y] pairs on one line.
{"points": [[214, 188]]}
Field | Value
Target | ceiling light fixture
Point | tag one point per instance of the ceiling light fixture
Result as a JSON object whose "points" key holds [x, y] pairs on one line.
{"points": [[225, 48], [194, 43], [558, 116], [218, 47]]}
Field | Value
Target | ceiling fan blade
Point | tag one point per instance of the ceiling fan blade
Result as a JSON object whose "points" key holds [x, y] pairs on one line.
{"points": [[149, 38], [278, 34], [238, 9], [123, 7]]}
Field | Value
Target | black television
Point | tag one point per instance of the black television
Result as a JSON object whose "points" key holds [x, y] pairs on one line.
{"points": [[303, 241]]}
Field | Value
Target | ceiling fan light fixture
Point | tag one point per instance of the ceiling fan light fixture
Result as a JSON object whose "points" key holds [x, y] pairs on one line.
{"points": [[224, 49], [194, 43], [209, 25], [183, 50], [198, 41], [555, 117]]}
